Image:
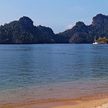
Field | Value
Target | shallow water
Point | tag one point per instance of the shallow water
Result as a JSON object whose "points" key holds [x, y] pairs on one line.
{"points": [[50, 66]]}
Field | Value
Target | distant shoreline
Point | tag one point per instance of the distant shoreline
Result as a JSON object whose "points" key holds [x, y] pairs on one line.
{"points": [[23, 31], [48, 43]]}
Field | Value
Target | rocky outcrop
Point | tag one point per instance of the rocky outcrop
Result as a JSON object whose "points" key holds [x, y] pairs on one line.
{"points": [[82, 33], [24, 31]]}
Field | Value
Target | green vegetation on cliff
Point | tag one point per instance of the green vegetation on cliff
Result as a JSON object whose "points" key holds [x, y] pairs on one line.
{"points": [[101, 40]]}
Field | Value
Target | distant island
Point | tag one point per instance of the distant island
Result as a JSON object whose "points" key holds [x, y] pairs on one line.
{"points": [[24, 31]]}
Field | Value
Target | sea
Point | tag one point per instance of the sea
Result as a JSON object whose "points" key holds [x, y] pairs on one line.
{"points": [[48, 71]]}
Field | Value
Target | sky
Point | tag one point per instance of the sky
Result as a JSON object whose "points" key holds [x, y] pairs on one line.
{"points": [[57, 14]]}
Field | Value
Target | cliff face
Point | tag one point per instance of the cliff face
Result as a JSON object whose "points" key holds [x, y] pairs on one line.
{"points": [[78, 34], [24, 32], [82, 33]]}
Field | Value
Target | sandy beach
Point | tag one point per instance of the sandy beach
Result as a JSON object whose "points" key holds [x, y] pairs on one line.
{"points": [[86, 95], [98, 101]]}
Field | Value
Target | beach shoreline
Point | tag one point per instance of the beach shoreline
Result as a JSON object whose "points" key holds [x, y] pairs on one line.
{"points": [[93, 101], [69, 95]]}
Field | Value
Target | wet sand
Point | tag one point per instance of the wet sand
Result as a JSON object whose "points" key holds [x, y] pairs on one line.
{"points": [[71, 95], [94, 101]]}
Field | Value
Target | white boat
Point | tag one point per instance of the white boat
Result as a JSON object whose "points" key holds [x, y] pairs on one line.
{"points": [[95, 43]]}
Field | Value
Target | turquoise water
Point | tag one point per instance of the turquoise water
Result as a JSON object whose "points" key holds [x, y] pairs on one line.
{"points": [[40, 65]]}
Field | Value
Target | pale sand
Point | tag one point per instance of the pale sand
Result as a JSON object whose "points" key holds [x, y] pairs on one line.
{"points": [[83, 102], [101, 103]]}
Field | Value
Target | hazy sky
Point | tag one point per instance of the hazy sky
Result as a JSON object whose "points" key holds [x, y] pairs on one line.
{"points": [[58, 14]]}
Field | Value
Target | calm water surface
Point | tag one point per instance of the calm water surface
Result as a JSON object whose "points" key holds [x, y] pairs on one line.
{"points": [[30, 73], [40, 65]]}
